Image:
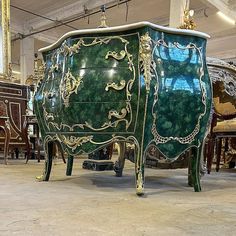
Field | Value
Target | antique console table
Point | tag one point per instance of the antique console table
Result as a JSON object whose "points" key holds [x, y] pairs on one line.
{"points": [[139, 83], [13, 104]]}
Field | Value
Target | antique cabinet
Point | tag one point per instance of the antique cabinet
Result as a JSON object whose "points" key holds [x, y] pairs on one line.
{"points": [[13, 104], [138, 83]]}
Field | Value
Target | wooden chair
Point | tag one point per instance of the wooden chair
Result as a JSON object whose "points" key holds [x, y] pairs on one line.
{"points": [[223, 125]]}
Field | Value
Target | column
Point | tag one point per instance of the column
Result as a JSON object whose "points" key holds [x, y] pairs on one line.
{"points": [[177, 8], [26, 58], [6, 37]]}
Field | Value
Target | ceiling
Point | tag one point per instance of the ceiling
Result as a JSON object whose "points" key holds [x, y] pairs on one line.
{"points": [[82, 14]]}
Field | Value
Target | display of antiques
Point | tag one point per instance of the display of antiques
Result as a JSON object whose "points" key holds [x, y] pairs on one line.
{"points": [[140, 83], [223, 125]]}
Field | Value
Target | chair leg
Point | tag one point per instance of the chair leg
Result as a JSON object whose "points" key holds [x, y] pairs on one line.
{"points": [[210, 153], [7, 141], [226, 148], [190, 180], [218, 153]]}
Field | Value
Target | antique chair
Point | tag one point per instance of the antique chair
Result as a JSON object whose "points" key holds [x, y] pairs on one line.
{"points": [[223, 125]]}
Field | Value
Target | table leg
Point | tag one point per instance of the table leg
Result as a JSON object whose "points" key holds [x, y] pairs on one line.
{"points": [[25, 134], [7, 140]]}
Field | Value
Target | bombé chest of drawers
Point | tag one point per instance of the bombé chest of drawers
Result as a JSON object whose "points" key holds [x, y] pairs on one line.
{"points": [[138, 83]]}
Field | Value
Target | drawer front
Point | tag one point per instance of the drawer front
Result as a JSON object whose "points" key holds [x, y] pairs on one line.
{"points": [[103, 52], [92, 84], [100, 85], [93, 117]]}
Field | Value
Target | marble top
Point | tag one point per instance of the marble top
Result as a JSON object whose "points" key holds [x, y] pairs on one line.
{"points": [[125, 27]]}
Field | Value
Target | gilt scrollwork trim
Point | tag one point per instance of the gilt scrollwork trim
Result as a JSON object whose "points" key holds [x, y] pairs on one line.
{"points": [[145, 53], [69, 85], [120, 115], [118, 56], [73, 142], [48, 116], [189, 138], [116, 86]]}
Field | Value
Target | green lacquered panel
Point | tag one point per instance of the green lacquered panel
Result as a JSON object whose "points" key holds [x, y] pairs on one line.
{"points": [[92, 51], [183, 94], [95, 85], [107, 98], [84, 117]]}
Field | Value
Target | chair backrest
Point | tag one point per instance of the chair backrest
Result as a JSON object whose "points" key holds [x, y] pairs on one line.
{"points": [[223, 77]]}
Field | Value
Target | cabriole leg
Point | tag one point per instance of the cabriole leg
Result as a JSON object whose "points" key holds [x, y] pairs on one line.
{"points": [[190, 181], [210, 153], [48, 161], [195, 165], [218, 153], [119, 165], [139, 173], [69, 165]]}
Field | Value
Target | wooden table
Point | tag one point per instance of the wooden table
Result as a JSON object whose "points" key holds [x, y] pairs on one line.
{"points": [[13, 104]]}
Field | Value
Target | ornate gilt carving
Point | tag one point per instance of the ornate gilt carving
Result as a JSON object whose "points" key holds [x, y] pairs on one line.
{"points": [[116, 86], [69, 85], [118, 56], [145, 52], [73, 142], [114, 113]]}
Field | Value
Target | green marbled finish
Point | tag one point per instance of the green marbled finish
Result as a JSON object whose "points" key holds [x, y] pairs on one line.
{"points": [[179, 99]]}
